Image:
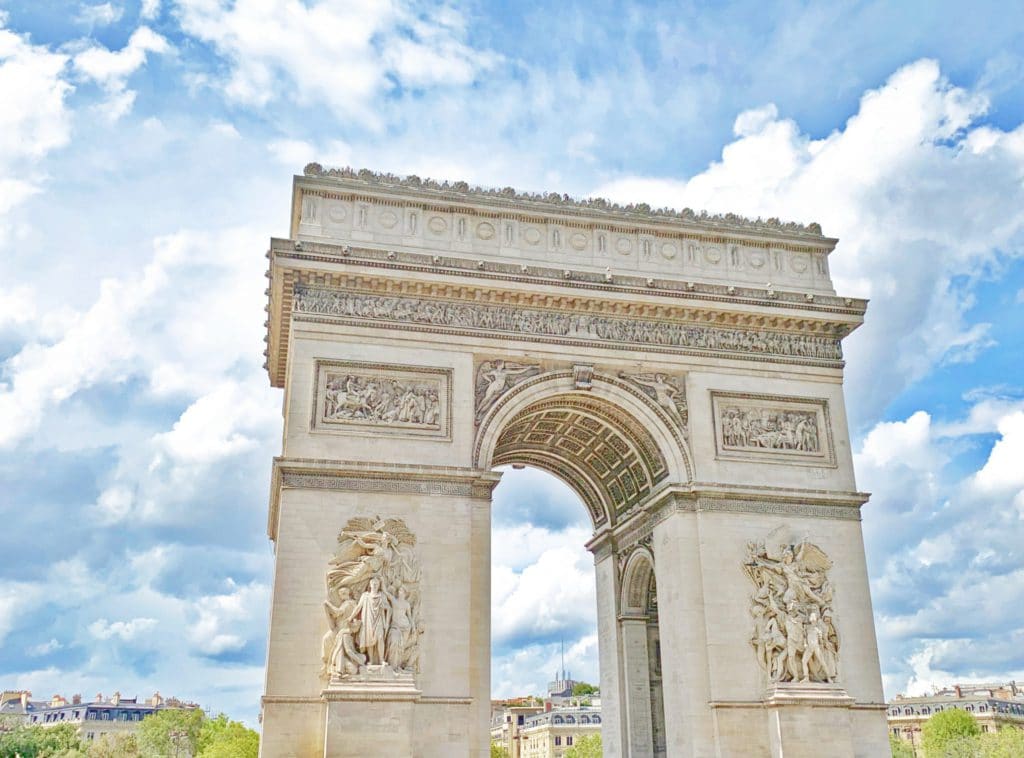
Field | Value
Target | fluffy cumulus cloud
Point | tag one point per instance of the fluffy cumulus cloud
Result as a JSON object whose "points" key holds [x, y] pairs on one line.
{"points": [[924, 198], [944, 543], [34, 118], [345, 55], [111, 68]]}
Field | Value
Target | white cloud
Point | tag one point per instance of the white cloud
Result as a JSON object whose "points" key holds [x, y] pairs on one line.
{"points": [[343, 54], [126, 631], [222, 621], [111, 69], [149, 9], [45, 648], [296, 153], [918, 196], [1004, 469], [555, 592], [34, 118], [103, 14]]}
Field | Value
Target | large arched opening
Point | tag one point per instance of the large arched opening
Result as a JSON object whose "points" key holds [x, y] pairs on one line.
{"points": [[616, 449]]}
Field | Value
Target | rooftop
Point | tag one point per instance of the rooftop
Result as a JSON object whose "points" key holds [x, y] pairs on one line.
{"points": [[554, 201]]}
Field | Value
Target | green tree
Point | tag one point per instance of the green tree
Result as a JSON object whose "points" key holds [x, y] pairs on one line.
{"points": [[586, 747], [941, 733], [123, 745], [41, 742], [222, 738], [900, 748], [498, 751], [170, 732], [583, 688], [1008, 742]]}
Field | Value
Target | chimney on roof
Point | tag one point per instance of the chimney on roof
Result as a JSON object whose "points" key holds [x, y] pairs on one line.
{"points": [[156, 699], [99, 697], [116, 699], [76, 700], [959, 692], [56, 701], [24, 699]]}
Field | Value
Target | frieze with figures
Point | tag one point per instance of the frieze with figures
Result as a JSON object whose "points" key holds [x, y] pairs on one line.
{"points": [[629, 332], [350, 396], [769, 427]]}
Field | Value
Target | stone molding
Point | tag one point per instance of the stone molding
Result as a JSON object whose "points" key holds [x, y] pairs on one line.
{"points": [[566, 276], [434, 192], [812, 338], [305, 473]]}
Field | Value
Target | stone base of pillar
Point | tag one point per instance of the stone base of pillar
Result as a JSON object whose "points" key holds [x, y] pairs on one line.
{"points": [[805, 715], [369, 718]]}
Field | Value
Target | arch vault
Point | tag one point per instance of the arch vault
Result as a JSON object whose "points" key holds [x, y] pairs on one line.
{"points": [[426, 333]]}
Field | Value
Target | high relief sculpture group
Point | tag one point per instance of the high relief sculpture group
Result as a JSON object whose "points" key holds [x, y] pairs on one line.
{"points": [[372, 604], [794, 627]]}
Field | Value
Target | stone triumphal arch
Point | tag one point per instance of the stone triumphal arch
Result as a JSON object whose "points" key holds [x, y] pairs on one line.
{"points": [[681, 372]]}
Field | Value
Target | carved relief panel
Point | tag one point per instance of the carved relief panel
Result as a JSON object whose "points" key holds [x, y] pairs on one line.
{"points": [[772, 428], [373, 603], [794, 631], [354, 397]]}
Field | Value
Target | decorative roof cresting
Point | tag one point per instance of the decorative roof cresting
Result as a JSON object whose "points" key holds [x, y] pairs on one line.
{"points": [[462, 190]]}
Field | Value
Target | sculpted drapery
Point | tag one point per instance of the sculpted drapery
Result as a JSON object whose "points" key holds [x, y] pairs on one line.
{"points": [[372, 600], [794, 634]]}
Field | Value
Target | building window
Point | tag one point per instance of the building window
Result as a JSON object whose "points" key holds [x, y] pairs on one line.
{"points": [[568, 740], [907, 711], [984, 727], [521, 719], [556, 720], [558, 740], [597, 719]]}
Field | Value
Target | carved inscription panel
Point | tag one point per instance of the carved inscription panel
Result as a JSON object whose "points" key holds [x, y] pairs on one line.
{"points": [[353, 397], [769, 427]]}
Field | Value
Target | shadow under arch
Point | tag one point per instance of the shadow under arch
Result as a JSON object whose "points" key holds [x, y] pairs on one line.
{"points": [[610, 442]]}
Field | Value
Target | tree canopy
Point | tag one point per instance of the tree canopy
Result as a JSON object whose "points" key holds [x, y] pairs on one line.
{"points": [[940, 732], [167, 733], [586, 747], [583, 688]]}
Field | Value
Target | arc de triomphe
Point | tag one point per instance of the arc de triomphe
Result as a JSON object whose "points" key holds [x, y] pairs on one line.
{"points": [[682, 373]]}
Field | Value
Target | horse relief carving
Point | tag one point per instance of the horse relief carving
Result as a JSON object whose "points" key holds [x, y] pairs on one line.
{"points": [[372, 605], [794, 633]]}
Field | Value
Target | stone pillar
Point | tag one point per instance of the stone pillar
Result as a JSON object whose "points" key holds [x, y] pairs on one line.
{"points": [[681, 623], [612, 721], [637, 681]]}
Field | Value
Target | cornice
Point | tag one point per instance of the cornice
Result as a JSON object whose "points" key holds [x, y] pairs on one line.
{"points": [[731, 315], [304, 252], [356, 476], [433, 192]]}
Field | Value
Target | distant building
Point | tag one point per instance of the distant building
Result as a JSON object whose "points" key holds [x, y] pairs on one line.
{"points": [[18, 703], [100, 716], [550, 734], [993, 705], [508, 717]]}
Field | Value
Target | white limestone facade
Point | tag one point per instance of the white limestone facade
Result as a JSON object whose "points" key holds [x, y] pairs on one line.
{"points": [[683, 373]]}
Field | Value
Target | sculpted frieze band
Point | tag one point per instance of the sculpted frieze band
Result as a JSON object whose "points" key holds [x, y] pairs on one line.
{"points": [[532, 321], [372, 604]]}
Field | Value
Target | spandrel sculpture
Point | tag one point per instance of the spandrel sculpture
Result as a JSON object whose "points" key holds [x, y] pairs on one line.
{"points": [[373, 598], [794, 633]]}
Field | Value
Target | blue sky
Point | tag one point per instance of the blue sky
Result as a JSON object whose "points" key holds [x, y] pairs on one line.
{"points": [[146, 150]]}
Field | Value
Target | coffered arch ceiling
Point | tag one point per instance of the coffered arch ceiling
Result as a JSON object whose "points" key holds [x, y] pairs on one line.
{"points": [[601, 451]]}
